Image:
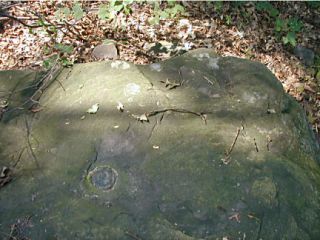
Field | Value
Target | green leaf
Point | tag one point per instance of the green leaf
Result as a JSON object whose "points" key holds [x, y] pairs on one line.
{"points": [[66, 11], [127, 2], [171, 2], [279, 25], [267, 7], [117, 8], [179, 8], [113, 3], [58, 14], [154, 20], [290, 38], [164, 15], [103, 12], [77, 11], [127, 10], [218, 6], [66, 63], [285, 40], [64, 48], [48, 63], [295, 25], [273, 12], [228, 20]]}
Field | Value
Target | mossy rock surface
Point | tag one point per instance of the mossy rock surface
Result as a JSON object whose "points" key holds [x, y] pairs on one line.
{"points": [[195, 147]]}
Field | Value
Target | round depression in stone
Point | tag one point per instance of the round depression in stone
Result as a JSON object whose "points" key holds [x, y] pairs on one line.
{"points": [[103, 178]]}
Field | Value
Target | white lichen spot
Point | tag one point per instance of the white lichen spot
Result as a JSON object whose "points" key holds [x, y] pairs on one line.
{"points": [[213, 63], [115, 64], [125, 65], [120, 64], [201, 56], [156, 67], [249, 98], [132, 89]]}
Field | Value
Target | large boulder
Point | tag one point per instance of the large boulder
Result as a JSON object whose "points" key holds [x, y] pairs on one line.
{"points": [[195, 147]]}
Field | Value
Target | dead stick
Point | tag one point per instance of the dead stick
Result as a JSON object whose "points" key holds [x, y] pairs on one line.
{"points": [[234, 143], [155, 112], [133, 236], [202, 115], [255, 144], [29, 143]]}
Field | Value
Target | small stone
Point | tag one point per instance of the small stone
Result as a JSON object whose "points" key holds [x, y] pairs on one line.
{"points": [[305, 55], [105, 51]]}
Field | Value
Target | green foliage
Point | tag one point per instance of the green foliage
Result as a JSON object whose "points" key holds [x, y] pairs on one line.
{"points": [[63, 48], [290, 38], [218, 6], [103, 12], [77, 11], [314, 4], [64, 13], [171, 11], [62, 56], [289, 28], [109, 11], [48, 63], [228, 20], [267, 7]]}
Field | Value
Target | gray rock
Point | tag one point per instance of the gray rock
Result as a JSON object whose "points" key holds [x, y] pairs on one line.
{"points": [[196, 153], [306, 55], [105, 51]]}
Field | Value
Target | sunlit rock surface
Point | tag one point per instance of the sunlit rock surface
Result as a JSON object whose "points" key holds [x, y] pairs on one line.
{"points": [[196, 147]]}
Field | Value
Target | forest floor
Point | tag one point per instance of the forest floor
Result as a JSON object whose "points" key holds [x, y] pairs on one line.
{"points": [[229, 29]]}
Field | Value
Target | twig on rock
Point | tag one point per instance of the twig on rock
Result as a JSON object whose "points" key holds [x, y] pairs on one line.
{"points": [[226, 159], [29, 144]]}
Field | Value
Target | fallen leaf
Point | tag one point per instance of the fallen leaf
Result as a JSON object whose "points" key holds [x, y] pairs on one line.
{"points": [[83, 117], [235, 217], [143, 118], [271, 110], [93, 109], [120, 107], [36, 109]]}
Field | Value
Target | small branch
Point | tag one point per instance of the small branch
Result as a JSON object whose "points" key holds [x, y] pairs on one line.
{"points": [[269, 140], [202, 115], [132, 235], [19, 157], [93, 161], [181, 78], [152, 129], [18, 20], [29, 143], [226, 159], [208, 80], [255, 144]]}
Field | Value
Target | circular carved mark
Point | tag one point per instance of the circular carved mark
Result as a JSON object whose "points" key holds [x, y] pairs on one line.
{"points": [[103, 178]]}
